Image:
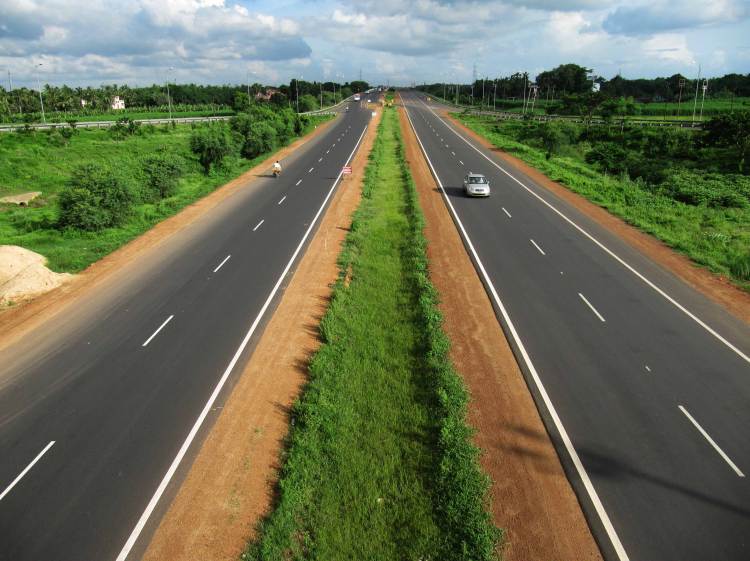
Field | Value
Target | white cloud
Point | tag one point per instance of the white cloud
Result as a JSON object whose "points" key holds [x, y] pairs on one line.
{"points": [[669, 47]]}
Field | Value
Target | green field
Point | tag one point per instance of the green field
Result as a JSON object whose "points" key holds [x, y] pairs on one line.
{"points": [[665, 182], [43, 161], [379, 464], [646, 111]]}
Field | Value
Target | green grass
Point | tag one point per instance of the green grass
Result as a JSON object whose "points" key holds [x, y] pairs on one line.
{"points": [[717, 238], [37, 162], [379, 464]]}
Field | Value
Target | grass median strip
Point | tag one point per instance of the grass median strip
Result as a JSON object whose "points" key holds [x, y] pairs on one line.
{"points": [[379, 464]]}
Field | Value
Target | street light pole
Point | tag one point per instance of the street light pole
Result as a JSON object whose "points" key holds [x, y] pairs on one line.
{"points": [[41, 101], [695, 100], [169, 98], [296, 84], [494, 97]]}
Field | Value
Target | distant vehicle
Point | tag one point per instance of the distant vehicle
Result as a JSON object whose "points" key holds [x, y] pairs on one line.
{"points": [[476, 185], [356, 97], [369, 101]]}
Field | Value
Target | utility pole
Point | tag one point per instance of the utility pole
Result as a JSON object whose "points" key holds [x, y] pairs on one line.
{"points": [[39, 85], [494, 97], [483, 93], [457, 100], [695, 100], [534, 89], [525, 81], [705, 87], [679, 97], [321, 95]]}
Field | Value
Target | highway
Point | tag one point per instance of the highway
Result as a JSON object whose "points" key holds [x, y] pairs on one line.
{"points": [[643, 383], [99, 408]]}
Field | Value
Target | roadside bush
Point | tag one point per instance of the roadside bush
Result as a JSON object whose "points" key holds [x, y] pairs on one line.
{"points": [[161, 173], [709, 189], [609, 157], [740, 266], [95, 198], [261, 138], [211, 143]]}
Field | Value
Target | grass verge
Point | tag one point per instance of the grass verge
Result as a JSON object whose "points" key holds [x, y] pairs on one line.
{"points": [[379, 463], [717, 238], [38, 161]]}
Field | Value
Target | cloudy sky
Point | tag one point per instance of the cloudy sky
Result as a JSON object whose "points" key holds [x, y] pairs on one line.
{"points": [[90, 42]]}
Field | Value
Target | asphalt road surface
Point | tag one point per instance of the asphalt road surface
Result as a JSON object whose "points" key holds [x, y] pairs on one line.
{"points": [[643, 383], [94, 421]]}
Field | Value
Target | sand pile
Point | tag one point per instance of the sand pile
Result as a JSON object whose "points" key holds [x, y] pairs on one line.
{"points": [[23, 274]]}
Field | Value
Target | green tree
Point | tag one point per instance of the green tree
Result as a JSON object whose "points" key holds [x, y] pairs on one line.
{"points": [[211, 144], [730, 131], [566, 78], [95, 198], [161, 173]]}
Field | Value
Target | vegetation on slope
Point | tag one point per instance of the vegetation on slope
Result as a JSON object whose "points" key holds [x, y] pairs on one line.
{"points": [[379, 463], [102, 188]]}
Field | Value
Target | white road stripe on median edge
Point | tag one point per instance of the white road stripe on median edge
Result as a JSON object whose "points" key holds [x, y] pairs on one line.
{"points": [[538, 248], [155, 333], [592, 307], [259, 224], [298, 182], [585, 479], [604, 248], [282, 200], [26, 469], [216, 270], [711, 441], [506, 212], [123, 555]]}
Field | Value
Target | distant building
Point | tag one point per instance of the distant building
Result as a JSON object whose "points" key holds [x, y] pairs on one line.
{"points": [[84, 103], [118, 103], [267, 95]]}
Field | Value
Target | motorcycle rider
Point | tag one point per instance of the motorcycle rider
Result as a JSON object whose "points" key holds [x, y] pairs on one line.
{"points": [[276, 169]]}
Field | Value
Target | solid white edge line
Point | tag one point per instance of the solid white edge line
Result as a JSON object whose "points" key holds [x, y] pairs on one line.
{"points": [[598, 506], [298, 182], [592, 308], [611, 253], [209, 404], [711, 441], [282, 200], [506, 212], [155, 333], [259, 224], [216, 270], [537, 247], [26, 469]]}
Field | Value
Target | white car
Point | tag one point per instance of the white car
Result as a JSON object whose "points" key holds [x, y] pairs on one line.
{"points": [[476, 185]]}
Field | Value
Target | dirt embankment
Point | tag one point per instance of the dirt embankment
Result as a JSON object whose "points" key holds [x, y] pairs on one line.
{"points": [[231, 482], [717, 288], [531, 496], [20, 320], [24, 275]]}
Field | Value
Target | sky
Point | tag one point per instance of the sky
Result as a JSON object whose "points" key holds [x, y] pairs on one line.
{"points": [[400, 42]]}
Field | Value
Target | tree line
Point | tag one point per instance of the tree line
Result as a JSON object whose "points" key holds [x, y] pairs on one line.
{"points": [[65, 99], [573, 79]]}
